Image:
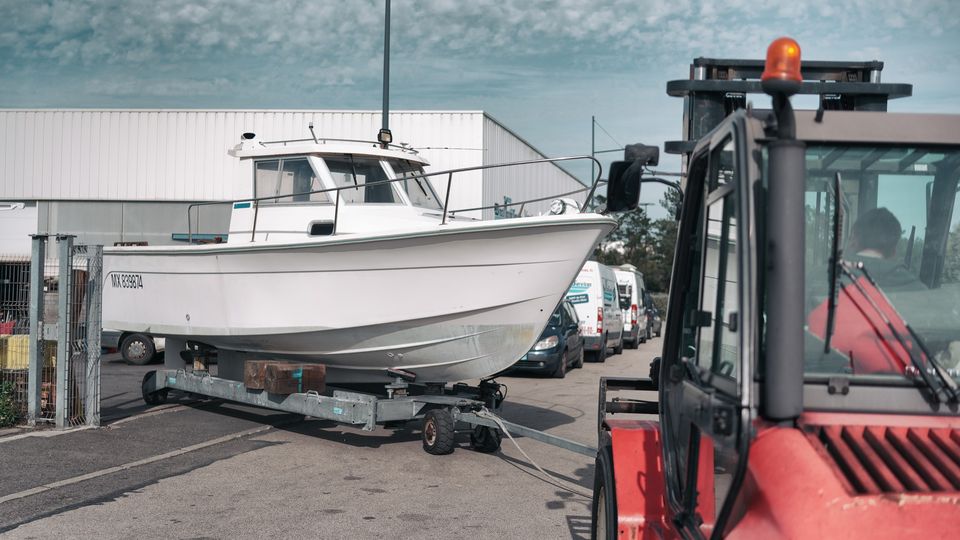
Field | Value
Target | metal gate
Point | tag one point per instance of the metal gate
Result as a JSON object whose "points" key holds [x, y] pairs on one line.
{"points": [[50, 332]]}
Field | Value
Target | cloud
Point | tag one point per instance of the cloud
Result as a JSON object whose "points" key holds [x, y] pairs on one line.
{"points": [[541, 66], [180, 30], [127, 86]]}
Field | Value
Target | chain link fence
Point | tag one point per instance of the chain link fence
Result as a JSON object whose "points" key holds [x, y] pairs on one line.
{"points": [[50, 333]]}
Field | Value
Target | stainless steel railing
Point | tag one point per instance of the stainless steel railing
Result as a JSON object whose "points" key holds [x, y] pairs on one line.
{"points": [[255, 201]]}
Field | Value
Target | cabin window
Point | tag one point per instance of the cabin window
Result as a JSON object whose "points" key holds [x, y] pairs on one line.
{"points": [[365, 179], [418, 189], [292, 179]]}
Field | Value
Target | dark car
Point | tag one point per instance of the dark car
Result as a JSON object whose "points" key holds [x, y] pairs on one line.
{"points": [[560, 346]]}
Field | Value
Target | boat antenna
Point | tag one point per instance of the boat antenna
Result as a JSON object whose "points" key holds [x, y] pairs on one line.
{"points": [[314, 135], [385, 137]]}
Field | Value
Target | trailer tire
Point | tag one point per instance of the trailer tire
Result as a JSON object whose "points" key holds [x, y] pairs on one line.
{"points": [[138, 349], [603, 511], [485, 439], [158, 397], [438, 432]]}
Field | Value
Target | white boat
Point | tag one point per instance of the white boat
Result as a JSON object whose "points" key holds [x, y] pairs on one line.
{"points": [[361, 269]]}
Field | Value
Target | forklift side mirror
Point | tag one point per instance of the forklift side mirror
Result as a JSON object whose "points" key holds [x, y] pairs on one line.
{"points": [[623, 186]]}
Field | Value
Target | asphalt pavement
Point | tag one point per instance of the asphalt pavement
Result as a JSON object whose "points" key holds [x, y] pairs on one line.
{"points": [[210, 469]]}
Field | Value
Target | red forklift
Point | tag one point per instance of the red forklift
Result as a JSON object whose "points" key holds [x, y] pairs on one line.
{"points": [[808, 383]]}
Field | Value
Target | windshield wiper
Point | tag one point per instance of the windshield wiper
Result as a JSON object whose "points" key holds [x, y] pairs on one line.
{"points": [[944, 388], [353, 172], [835, 261]]}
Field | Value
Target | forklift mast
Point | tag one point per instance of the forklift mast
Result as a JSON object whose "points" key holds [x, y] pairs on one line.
{"points": [[717, 87]]}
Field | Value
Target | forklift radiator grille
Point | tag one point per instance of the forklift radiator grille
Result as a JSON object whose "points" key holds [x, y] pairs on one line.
{"points": [[882, 459]]}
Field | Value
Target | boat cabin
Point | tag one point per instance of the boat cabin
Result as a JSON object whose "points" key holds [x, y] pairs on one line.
{"points": [[320, 187]]}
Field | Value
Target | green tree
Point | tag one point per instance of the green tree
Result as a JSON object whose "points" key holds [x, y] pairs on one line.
{"points": [[951, 266], [645, 243]]}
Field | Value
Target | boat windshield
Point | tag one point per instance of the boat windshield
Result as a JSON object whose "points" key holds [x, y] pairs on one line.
{"points": [[365, 176], [419, 190], [896, 295], [287, 176]]}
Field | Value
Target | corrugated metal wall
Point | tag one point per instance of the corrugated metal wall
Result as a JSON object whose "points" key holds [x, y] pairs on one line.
{"points": [[171, 155], [181, 155], [523, 182]]}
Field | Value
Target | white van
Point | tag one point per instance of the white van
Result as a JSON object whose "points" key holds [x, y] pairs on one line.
{"points": [[594, 295], [630, 285]]}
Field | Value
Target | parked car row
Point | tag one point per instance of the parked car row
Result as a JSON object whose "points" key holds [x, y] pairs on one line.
{"points": [[605, 309]]}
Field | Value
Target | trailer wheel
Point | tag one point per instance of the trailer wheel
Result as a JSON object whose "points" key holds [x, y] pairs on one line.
{"points": [[158, 397], [138, 349], [438, 432], [603, 522], [485, 439]]}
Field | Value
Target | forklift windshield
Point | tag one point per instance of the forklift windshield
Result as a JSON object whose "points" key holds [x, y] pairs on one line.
{"points": [[897, 297]]}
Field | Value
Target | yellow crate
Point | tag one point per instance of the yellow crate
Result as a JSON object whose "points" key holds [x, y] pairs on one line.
{"points": [[15, 352]]}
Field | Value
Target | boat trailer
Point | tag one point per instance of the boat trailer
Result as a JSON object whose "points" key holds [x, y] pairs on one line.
{"points": [[441, 408]]}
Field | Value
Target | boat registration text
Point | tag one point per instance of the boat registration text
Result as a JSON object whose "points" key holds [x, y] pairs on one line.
{"points": [[126, 281]]}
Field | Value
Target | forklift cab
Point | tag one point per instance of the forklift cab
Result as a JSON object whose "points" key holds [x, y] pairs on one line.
{"points": [[769, 426], [716, 403]]}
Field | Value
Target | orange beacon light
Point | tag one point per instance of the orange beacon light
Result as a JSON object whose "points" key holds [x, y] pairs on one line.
{"points": [[781, 71]]}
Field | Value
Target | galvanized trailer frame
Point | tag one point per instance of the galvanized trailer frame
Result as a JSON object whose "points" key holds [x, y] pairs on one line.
{"points": [[473, 407]]}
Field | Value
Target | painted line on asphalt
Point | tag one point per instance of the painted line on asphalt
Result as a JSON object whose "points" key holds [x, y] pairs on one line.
{"points": [[45, 433], [132, 464], [153, 412]]}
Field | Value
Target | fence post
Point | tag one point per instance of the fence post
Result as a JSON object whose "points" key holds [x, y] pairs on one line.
{"points": [[35, 365], [93, 302], [64, 292]]}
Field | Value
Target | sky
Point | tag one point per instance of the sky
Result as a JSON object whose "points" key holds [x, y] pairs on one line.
{"points": [[542, 68]]}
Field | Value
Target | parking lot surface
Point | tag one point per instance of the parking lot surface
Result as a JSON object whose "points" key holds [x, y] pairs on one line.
{"points": [[211, 469]]}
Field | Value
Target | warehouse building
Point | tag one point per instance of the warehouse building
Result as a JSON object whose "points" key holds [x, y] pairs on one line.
{"points": [[129, 176]]}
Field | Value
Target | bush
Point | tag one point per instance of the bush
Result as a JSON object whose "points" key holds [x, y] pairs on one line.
{"points": [[660, 301], [9, 411]]}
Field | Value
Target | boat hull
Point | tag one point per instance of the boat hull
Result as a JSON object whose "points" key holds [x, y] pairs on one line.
{"points": [[447, 303]]}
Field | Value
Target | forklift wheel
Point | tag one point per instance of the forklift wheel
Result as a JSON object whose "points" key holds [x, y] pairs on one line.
{"points": [[438, 432], [603, 522], [152, 398], [485, 439]]}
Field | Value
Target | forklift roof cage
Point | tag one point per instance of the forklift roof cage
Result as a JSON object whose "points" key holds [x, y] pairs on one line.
{"points": [[717, 87]]}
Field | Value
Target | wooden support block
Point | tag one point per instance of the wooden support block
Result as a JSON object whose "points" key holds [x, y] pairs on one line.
{"points": [[285, 379], [314, 377], [255, 373]]}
